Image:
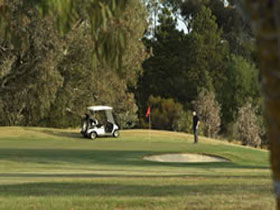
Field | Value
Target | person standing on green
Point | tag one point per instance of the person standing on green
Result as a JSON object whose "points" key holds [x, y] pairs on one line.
{"points": [[195, 127]]}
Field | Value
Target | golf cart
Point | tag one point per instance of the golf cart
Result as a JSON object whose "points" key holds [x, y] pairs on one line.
{"points": [[99, 122]]}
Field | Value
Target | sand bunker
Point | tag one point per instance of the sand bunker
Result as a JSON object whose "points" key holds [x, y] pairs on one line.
{"points": [[184, 158]]}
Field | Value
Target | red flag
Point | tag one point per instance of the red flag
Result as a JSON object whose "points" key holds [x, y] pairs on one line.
{"points": [[148, 111]]}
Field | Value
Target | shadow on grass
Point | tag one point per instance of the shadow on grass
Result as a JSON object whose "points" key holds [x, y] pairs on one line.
{"points": [[89, 158], [62, 134], [113, 174], [75, 135], [105, 189]]}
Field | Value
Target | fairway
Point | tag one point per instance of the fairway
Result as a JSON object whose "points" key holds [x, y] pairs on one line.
{"points": [[43, 168]]}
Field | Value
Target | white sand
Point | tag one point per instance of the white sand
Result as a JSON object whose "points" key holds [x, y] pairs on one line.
{"points": [[184, 158]]}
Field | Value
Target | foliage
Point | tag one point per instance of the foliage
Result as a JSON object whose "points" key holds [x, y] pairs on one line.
{"points": [[103, 17], [239, 87], [235, 28], [184, 122], [128, 118], [52, 78], [181, 63], [57, 57], [208, 52], [208, 110], [32, 76], [247, 125], [77, 89], [165, 113], [163, 71], [206, 57]]}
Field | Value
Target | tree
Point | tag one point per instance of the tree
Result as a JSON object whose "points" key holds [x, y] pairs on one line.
{"points": [[49, 74], [235, 28], [183, 63], [247, 126], [240, 86], [163, 72], [102, 84], [31, 80], [265, 17], [208, 110], [101, 15], [208, 52]]}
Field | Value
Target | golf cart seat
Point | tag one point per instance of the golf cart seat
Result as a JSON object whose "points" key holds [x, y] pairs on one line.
{"points": [[109, 127]]}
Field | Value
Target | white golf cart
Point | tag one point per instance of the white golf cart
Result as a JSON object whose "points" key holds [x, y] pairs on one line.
{"points": [[100, 122]]}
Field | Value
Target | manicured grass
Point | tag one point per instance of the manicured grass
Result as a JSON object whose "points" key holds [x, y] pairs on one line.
{"points": [[43, 168]]}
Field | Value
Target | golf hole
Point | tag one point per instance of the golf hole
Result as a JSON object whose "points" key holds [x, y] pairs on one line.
{"points": [[184, 158]]}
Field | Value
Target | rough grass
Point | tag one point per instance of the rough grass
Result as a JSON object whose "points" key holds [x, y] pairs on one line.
{"points": [[44, 168]]}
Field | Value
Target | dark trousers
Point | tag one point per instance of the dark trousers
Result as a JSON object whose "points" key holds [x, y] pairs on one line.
{"points": [[195, 136]]}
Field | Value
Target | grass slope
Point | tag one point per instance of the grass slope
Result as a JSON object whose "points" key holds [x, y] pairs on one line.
{"points": [[44, 168]]}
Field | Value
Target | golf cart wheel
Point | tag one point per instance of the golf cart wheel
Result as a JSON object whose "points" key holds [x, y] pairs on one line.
{"points": [[92, 135], [116, 134]]}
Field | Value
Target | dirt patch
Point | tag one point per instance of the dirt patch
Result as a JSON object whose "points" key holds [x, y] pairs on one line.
{"points": [[184, 158]]}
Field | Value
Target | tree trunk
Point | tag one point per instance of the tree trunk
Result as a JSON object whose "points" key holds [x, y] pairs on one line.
{"points": [[265, 17]]}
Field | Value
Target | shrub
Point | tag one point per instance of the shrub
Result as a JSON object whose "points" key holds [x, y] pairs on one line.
{"points": [[208, 110], [184, 123], [127, 117], [247, 126], [166, 113]]}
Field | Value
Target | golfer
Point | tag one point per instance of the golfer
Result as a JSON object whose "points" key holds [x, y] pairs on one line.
{"points": [[195, 127]]}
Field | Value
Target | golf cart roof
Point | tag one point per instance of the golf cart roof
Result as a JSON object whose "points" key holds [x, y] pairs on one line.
{"points": [[99, 108]]}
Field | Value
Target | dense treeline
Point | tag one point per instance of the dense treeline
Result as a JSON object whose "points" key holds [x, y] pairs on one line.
{"points": [[215, 58], [53, 67], [48, 78]]}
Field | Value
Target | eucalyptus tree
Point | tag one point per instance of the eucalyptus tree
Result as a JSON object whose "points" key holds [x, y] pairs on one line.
{"points": [[29, 83], [85, 84], [103, 17], [35, 48]]}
